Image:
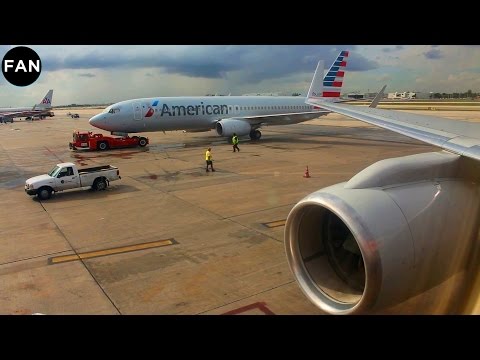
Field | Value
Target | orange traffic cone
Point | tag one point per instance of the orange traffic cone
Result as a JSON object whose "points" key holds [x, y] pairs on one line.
{"points": [[307, 174]]}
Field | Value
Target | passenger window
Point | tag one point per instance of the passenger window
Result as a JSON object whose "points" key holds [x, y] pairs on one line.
{"points": [[69, 171]]}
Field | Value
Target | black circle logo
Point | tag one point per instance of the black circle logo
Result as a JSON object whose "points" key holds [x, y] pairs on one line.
{"points": [[21, 66]]}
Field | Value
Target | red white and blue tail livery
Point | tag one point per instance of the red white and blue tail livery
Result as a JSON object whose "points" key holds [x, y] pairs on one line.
{"points": [[333, 80], [330, 85]]}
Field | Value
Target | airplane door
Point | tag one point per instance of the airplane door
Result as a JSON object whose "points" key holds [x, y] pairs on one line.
{"points": [[237, 109], [137, 111]]}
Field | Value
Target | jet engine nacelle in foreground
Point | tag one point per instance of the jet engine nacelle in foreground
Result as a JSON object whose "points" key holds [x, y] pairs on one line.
{"points": [[395, 230], [226, 127]]}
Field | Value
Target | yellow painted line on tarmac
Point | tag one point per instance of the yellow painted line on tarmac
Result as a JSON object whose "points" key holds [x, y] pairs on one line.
{"points": [[111, 251], [274, 224]]}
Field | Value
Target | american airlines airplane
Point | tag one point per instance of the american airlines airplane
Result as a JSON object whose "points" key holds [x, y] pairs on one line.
{"points": [[242, 115], [396, 229], [7, 114]]}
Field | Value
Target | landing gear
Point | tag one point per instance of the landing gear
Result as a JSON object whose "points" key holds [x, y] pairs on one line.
{"points": [[255, 135]]}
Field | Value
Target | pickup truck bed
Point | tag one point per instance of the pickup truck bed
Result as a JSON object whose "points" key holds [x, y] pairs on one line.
{"points": [[96, 169]]}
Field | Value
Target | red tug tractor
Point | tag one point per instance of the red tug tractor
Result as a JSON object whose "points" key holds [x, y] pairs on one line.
{"points": [[89, 140]]}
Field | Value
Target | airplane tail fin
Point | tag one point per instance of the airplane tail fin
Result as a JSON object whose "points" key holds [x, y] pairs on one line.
{"points": [[46, 103], [330, 85]]}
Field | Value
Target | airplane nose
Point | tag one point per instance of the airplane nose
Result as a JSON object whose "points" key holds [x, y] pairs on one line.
{"points": [[97, 121]]}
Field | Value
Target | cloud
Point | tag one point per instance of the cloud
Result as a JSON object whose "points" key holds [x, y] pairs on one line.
{"points": [[396, 48], [87, 75], [126, 72], [357, 62], [254, 62], [433, 54], [384, 77]]}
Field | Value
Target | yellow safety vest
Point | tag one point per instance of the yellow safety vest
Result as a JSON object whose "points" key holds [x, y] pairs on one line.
{"points": [[235, 140], [208, 155]]}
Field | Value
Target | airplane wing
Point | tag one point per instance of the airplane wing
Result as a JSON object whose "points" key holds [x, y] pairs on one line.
{"points": [[459, 137]]}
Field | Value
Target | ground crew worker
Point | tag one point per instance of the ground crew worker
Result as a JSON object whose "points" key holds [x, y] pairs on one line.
{"points": [[235, 142], [208, 159]]}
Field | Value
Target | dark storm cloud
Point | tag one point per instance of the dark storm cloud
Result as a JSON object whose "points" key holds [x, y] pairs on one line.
{"points": [[87, 75], [254, 63], [396, 48], [433, 54]]}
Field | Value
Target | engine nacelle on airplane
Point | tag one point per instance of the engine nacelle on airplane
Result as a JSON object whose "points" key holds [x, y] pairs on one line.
{"points": [[226, 127], [395, 230]]}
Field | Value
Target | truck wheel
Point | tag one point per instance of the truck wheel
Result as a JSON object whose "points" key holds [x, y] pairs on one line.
{"points": [[102, 145], [99, 184], [142, 142], [44, 193]]}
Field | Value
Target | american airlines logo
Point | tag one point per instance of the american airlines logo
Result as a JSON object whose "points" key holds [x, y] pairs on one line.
{"points": [[150, 112], [46, 101], [191, 110]]}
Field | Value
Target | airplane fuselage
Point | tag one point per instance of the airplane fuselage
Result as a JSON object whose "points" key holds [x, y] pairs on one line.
{"points": [[191, 113], [8, 110]]}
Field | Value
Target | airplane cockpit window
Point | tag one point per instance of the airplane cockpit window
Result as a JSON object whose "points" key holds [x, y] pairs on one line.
{"points": [[114, 110]]}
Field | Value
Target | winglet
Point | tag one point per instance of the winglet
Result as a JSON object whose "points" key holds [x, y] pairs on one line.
{"points": [[377, 98], [316, 87]]}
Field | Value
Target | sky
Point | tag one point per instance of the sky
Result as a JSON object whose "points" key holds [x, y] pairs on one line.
{"points": [[83, 74]]}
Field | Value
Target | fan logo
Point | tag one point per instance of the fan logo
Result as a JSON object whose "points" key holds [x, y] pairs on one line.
{"points": [[21, 66]]}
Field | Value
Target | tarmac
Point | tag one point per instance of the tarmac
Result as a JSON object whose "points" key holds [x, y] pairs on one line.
{"points": [[170, 238]]}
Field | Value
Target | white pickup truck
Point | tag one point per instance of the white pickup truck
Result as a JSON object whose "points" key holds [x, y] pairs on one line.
{"points": [[66, 176]]}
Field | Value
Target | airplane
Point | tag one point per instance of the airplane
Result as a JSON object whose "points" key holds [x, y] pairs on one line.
{"points": [[398, 228], [7, 114], [242, 115]]}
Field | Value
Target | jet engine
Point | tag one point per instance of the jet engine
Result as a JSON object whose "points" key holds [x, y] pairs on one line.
{"points": [[395, 230], [227, 127]]}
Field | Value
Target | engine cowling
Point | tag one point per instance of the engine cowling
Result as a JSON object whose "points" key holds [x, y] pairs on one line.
{"points": [[227, 127], [395, 230]]}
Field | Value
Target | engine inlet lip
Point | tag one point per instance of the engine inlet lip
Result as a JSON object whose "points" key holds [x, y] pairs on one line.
{"points": [[365, 241]]}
